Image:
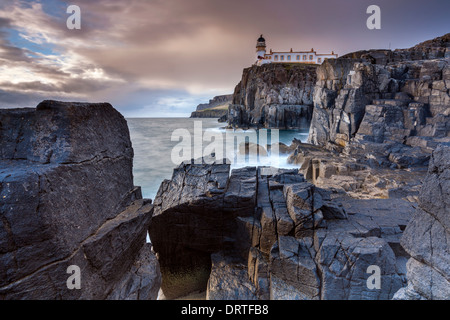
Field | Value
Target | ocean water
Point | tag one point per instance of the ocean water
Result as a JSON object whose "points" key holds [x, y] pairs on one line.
{"points": [[156, 140]]}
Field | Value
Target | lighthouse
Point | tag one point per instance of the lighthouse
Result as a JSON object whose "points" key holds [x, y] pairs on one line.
{"points": [[260, 48], [291, 56]]}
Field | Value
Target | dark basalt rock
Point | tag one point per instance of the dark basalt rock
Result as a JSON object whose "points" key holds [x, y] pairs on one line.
{"points": [[68, 198], [261, 234]]}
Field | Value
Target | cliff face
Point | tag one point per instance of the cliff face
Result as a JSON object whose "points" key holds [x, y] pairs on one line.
{"points": [[215, 102], [382, 97], [216, 108], [68, 198], [258, 233], [274, 95]]}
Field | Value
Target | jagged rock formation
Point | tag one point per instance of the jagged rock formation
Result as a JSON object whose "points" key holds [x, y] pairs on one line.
{"points": [[387, 105], [431, 49], [274, 96], [263, 234], [426, 237], [67, 198]]}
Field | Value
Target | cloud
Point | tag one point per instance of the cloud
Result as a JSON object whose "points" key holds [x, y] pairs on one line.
{"points": [[149, 56], [107, 60]]}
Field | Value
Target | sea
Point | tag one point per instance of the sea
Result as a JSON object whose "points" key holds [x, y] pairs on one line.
{"points": [[161, 144]]}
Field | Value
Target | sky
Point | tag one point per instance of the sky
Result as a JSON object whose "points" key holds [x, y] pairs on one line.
{"points": [[160, 58]]}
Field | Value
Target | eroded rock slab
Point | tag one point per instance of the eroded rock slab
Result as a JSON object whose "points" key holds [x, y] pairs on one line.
{"points": [[68, 198]]}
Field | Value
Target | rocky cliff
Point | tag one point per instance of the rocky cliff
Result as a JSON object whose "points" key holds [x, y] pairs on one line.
{"points": [[406, 89], [390, 105], [217, 107], [215, 102], [264, 233], [68, 198], [274, 96]]}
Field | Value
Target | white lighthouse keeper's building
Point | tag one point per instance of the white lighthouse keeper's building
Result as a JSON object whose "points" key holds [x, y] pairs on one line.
{"points": [[310, 57]]}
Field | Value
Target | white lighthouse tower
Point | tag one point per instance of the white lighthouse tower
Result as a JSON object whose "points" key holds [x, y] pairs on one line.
{"points": [[260, 49]]}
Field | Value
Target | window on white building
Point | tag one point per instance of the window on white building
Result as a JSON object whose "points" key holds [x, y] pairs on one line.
{"points": [[311, 57], [304, 57], [319, 60], [289, 58], [282, 57], [298, 57], [276, 57]]}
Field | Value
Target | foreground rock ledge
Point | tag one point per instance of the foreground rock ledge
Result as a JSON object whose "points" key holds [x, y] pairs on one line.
{"points": [[68, 198], [266, 233]]}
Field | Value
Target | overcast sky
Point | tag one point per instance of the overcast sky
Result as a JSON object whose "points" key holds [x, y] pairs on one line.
{"points": [[163, 57]]}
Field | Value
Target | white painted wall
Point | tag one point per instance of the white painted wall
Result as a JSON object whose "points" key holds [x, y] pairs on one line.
{"points": [[261, 53], [311, 57]]}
